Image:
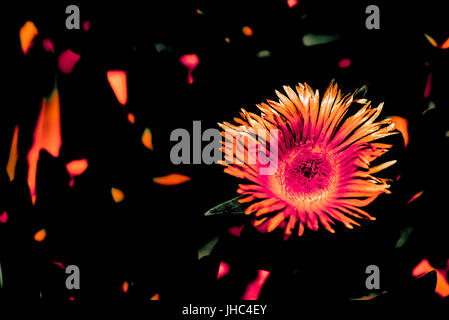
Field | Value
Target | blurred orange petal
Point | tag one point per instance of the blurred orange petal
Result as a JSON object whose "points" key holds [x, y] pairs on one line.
{"points": [[223, 269], [416, 196], [125, 287], [47, 136], [402, 125], [40, 235], [117, 195], [13, 155], [171, 179], [117, 81], [27, 34], [442, 287], [253, 289], [431, 40], [292, 3], [155, 297], [147, 139], [445, 44]]}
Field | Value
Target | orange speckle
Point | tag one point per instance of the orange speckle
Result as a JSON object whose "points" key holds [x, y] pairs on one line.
{"points": [[27, 34], [155, 297], [228, 40], [190, 61], [47, 136], [117, 195], [442, 287], [13, 155], [247, 31], [117, 81], [147, 139], [40, 235], [402, 125], [416, 196], [125, 287], [171, 179], [131, 118]]}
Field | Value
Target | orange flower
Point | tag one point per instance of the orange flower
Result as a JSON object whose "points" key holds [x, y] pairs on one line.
{"points": [[323, 172]]}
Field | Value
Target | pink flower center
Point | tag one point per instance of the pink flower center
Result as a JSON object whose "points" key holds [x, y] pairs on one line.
{"points": [[306, 173]]}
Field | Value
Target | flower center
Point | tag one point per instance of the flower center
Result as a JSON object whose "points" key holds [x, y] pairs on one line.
{"points": [[306, 174]]}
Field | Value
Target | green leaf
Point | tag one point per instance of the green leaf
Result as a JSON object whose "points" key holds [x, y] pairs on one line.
{"points": [[361, 93], [230, 207]]}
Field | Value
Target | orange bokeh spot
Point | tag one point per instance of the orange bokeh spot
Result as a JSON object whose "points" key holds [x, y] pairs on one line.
{"points": [[442, 287], [117, 195], [125, 287], [27, 34], [40, 235], [155, 297], [402, 125], [76, 167], [171, 179], [47, 136], [247, 31], [13, 155], [292, 3], [117, 81], [131, 118], [147, 139]]}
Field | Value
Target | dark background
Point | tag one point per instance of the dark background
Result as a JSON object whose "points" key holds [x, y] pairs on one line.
{"points": [[151, 238]]}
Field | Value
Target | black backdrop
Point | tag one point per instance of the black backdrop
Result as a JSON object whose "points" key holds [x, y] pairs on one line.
{"points": [[151, 238]]}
